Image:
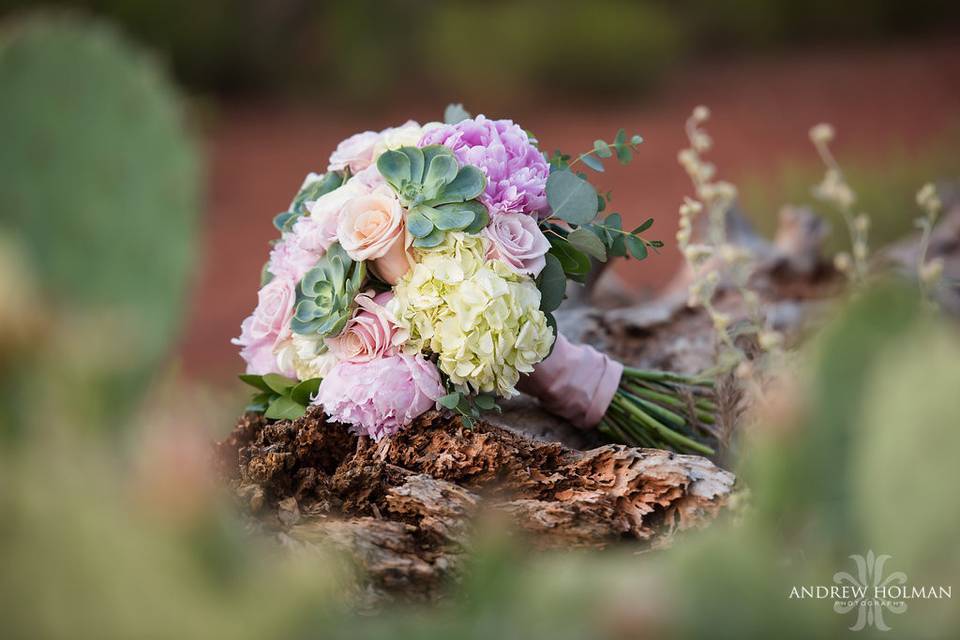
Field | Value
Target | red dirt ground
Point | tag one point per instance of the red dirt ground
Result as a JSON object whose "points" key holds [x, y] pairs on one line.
{"points": [[903, 97]]}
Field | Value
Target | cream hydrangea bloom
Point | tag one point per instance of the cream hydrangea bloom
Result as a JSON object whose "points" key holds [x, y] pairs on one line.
{"points": [[306, 356], [481, 319]]}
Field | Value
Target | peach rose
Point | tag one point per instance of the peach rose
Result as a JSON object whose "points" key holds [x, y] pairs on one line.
{"points": [[371, 227]]}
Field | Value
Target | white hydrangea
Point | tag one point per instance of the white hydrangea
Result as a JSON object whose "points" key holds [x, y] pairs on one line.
{"points": [[481, 319]]}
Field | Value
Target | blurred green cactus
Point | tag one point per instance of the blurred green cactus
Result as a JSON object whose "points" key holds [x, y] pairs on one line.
{"points": [[98, 180]]}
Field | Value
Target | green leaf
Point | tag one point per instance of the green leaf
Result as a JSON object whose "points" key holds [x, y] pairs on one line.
{"points": [[552, 283], [552, 323], [624, 154], [571, 198], [260, 402], [644, 226], [394, 167], [592, 162], [450, 401], [278, 383], [312, 191], [284, 408], [589, 243], [485, 402], [283, 221], [419, 221], [303, 392], [255, 381], [637, 247], [602, 149], [455, 113], [576, 264], [620, 138]]}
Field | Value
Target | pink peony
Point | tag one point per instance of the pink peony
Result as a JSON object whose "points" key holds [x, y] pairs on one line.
{"points": [[267, 327], [299, 249], [516, 239], [516, 170], [379, 397], [371, 333], [356, 152]]}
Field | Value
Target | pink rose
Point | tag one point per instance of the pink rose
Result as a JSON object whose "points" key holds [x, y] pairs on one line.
{"points": [[355, 152], [379, 397], [371, 224], [371, 333], [267, 326], [516, 239]]}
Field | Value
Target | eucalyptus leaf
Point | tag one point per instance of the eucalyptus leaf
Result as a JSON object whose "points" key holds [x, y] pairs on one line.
{"points": [[552, 283], [644, 226], [624, 154], [602, 149], [485, 402], [284, 408], [571, 198], [455, 113], [637, 247], [592, 162], [576, 264], [450, 401], [589, 243], [278, 383]]}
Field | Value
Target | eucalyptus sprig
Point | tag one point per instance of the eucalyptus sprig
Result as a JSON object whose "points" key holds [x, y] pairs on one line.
{"points": [[469, 408], [576, 205], [279, 397], [601, 150]]}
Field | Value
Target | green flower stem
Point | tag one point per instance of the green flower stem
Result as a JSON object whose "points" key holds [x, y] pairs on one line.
{"points": [[635, 433], [662, 413], [704, 409], [665, 376], [664, 432]]}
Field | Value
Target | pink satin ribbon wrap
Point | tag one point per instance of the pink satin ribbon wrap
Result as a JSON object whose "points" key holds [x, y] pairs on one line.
{"points": [[576, 382]]}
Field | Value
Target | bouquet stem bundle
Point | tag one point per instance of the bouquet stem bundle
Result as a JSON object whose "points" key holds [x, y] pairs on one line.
{"points": [[662, 410]]}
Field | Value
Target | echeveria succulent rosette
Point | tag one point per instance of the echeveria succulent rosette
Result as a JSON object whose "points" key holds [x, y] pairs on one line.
{"points": [[421, 272]]}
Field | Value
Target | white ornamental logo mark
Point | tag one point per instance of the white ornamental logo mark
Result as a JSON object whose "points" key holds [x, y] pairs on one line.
{"points": [[870, 579]]}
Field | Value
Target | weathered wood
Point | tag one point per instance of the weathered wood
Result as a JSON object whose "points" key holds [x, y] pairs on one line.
{"points": [[403, 508]]}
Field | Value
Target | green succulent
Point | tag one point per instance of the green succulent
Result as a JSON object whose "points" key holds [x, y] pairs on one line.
{"points": [[312, 190], [438, 193], [325, 294]]}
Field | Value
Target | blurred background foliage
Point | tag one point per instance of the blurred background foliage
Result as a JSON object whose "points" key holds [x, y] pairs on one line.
{"points": [[615, 48], [101, 192]]}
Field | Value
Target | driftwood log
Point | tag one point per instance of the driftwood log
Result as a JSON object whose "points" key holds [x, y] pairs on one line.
{"points": [[403, 507]]}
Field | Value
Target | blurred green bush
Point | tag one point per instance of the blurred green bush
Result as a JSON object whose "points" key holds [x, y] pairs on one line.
{"points": [[370, 49], [100, 187]]}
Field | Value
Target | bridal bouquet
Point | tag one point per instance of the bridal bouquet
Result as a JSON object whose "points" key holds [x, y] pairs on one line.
{"points": [[420, 271]]}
